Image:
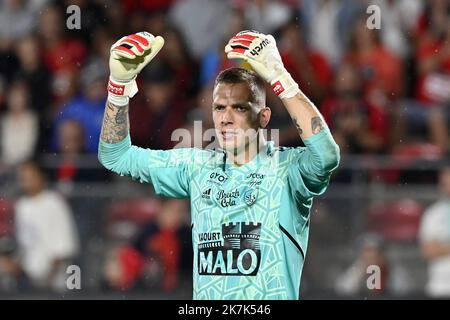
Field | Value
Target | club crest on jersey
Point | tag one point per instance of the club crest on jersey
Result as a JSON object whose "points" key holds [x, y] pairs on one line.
{"points": [[237, 253], [249, 197]]}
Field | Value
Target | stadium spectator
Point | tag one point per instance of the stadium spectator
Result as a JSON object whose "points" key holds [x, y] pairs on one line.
{"points": [[358, 125], [320, 19], [87, 108], [211, 24], [92, 18], [12, 279], [176, 56], [432, 58], [158, 111], [392, 279], [19, 127], [8, 67], [159, 256], [63, 56], [116, 18], [381, 70], [433, 54], [398, 19], [45, 230], [100, 48], [214, 58], [71, 150], [16, 20], [266, 16], [130, 6], [34, 73], [60, 51], [308, 67], [71, 142], [434, 237], [199, 114], [38, 79]]}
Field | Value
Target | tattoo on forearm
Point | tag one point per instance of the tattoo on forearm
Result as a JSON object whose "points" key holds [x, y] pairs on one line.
{"points": [[300, 131], [115, 123], [316, 125], [303, 98]]}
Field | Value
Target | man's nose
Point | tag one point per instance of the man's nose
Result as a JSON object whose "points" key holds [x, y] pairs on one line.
{"points": [[227, 116]]}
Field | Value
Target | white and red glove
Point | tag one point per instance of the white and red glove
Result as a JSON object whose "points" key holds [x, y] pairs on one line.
{"points": [[128, 57], [261, 52]]}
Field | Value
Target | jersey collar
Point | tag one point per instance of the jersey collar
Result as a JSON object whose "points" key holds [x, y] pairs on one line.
{"points": [[265, 152]]}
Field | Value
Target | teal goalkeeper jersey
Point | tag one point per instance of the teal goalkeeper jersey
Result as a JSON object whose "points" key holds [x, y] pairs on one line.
{"points": [[250, 224]]}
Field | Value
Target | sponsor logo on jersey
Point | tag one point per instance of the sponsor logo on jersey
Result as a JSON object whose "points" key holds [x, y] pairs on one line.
{"points": [[237, 253], [206, 194], [256, 178], [227, 199], [217, 178], [209, 236], [256, 175]]}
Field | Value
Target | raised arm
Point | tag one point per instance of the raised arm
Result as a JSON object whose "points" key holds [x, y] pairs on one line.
{"points": [[261, 52], [128, 57], [116, 125], [307, 119], [166, 170]]}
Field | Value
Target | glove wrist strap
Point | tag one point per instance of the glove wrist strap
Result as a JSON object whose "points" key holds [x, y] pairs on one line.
{"points": [[119, 92], [285, 86]]}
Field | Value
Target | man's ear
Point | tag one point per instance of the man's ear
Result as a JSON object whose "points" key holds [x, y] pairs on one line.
{"points": [[264, 117]]}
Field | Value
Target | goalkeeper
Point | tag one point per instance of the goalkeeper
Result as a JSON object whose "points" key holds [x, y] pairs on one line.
{"points": [[250, 201]]}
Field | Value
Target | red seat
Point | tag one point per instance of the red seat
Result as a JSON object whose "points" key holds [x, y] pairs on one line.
{"points": [[396, 221], [6, 217], [415, 151], [138, 211], [406, 154]]}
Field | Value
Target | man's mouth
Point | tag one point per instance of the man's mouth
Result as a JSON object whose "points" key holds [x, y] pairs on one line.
{"points": [[228, 134]]}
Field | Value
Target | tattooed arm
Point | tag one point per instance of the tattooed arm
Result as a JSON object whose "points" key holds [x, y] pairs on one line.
{"points": [[115, 142], [166, 170], [116, 125], [307, 119], [128, 56], [322, 153]]}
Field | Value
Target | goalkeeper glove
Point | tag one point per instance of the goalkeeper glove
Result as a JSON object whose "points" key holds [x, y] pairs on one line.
{"points": [[128, 57], [261, 52]]}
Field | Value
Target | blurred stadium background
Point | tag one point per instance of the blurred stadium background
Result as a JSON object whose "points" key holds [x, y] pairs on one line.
{"points": [[384, 93]]}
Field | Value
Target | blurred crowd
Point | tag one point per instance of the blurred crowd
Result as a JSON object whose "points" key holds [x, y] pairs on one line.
{"points": [[382, 92]]}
